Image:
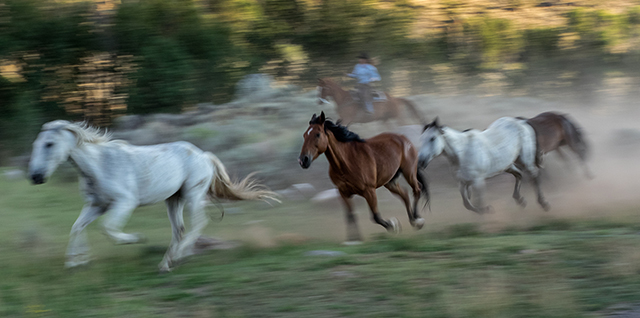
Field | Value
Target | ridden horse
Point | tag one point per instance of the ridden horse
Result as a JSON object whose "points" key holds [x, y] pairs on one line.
{"points": [[117, 177], [554, 130], [351, 111], [359, 167], [507, 145]]}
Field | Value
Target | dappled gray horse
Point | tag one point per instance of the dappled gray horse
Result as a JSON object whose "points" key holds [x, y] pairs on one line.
{"points": [[507, 145], [117, 177]]}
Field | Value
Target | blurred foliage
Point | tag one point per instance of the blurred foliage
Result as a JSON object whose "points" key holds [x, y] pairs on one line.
{"points": [[96, 60]]}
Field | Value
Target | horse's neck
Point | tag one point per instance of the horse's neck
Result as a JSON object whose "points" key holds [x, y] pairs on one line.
{"points": [[85, 157], [454, 144], [339, 94], [336, 152]]}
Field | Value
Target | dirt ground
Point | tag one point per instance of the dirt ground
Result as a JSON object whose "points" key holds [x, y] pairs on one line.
{"points": [[612, 131]]}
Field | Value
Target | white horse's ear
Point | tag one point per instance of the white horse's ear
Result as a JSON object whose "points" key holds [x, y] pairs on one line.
{"points": [[436, 122]]}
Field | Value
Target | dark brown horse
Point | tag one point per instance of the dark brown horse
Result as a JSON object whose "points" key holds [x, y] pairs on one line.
{"points": [[359, 167], [554, 130], [351, 111]]}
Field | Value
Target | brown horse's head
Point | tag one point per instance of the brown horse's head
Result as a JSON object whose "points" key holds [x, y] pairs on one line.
{"points": [[324, 91], [315, 141]]}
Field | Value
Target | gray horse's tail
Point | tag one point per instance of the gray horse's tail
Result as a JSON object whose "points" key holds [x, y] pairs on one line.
{"points": [[574, 138], [414, 110], [246, 189], [424, 187]]}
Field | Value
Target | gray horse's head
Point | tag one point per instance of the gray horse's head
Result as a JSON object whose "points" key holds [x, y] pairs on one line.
{"points": [[431, 143], [51, 148]]}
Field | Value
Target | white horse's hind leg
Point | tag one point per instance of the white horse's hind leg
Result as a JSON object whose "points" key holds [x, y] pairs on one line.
{"points": [[517, 173], [175, 206], [199, 221], [78, 249], [115, 219]]}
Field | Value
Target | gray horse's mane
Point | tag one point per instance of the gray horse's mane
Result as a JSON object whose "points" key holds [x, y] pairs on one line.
{"points": [[84, 132]]}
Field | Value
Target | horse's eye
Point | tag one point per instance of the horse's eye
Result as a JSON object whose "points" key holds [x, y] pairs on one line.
{"points": [[432, 139], [48, 145]]}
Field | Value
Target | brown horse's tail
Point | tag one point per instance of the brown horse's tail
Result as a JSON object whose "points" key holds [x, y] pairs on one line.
{"points": [[574, 138], [424, 187], [412, 107], [247, 189]]}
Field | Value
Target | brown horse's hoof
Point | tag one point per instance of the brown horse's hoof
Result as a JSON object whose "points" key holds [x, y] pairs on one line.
{"points": [[395, 226], [545, 206], [418, 223]]}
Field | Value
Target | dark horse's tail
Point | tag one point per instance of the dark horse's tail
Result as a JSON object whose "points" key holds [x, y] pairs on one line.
{"points": [[574, 138], [412, 107], [424, 187]]}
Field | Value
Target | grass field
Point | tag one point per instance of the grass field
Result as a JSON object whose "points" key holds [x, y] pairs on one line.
{"points": [[555, 268]]}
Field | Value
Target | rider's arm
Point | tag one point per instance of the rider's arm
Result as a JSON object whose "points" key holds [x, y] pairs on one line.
{"points": [[353, 73], [374, 75]]}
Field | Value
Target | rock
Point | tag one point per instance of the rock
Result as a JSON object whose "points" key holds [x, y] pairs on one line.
{"points": [[292, 238], [205, 243], [129, 122], [14, 174], [324, 253], [626, 137], [20, 161], [254, 84], [326, 196], [297, 192]]}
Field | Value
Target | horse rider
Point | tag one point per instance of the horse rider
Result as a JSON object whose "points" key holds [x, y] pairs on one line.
{"points": [[365, 73]]}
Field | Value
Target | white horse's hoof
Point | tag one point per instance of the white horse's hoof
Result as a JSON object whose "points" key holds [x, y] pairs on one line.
{"points": [[418, 223], [74, 264], [141, 238], [351, 243], [395, 226]]}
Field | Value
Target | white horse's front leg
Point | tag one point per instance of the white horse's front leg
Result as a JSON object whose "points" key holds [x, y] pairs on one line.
{"points": [[78, 248], [115, 219]]}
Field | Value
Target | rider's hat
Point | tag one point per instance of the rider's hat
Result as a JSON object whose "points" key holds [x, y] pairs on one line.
{"points": [[363, 55]]}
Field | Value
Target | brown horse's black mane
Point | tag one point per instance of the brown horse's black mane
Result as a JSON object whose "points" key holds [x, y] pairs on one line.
{"points": [[342, 133]]}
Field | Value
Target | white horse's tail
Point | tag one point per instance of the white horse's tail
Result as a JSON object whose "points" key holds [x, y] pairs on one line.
{"points": [[246, 189]]}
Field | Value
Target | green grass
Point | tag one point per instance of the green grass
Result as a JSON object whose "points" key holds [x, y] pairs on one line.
{"points": [[558, 268]]}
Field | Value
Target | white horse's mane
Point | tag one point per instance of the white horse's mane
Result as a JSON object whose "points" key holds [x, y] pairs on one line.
{"points": [[85, 133]]}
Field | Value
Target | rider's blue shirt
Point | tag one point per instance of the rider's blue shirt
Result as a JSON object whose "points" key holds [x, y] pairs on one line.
{"points": [[365, 73]]}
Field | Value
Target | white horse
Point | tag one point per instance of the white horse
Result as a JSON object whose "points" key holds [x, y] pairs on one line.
{"points": [[507, 145], [116, 177]]}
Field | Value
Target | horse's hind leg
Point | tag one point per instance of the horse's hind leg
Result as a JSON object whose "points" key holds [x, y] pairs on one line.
{"points": [[199, 220], [115, 219], [392, 224], [175, 206], [516, 189], [353, 233], [78, 248], [395, 188]]}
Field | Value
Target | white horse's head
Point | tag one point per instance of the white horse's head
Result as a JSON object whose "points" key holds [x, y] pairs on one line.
{"points": [[432, 142], [54, 145]]}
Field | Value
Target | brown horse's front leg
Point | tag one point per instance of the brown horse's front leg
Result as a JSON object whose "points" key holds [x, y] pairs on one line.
{"points": [[392, 225], [353, 233]]}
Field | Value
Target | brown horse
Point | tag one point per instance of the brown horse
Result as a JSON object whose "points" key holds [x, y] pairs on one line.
{"points": [[350, 110], [554, 130], [358, 166]]}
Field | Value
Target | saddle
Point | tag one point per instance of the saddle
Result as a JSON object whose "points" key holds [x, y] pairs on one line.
{"points": [[378, 96]]}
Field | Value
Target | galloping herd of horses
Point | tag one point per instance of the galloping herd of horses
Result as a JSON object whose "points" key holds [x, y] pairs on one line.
{"points": [[116, 177]]}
